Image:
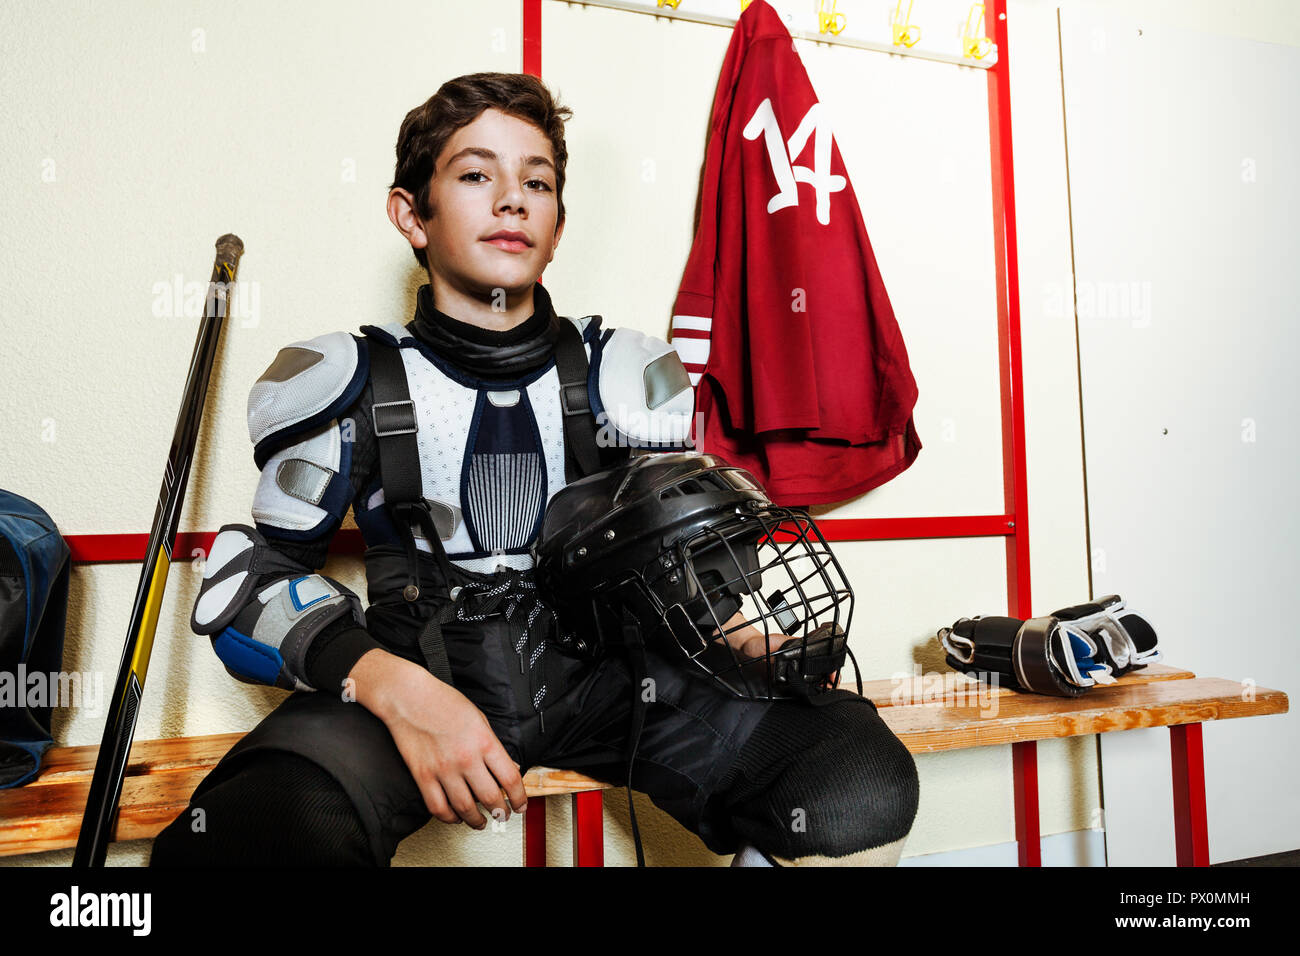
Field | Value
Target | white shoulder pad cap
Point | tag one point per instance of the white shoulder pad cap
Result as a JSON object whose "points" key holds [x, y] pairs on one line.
{"points": [[645, 390], [305, 379], [581, 323]]}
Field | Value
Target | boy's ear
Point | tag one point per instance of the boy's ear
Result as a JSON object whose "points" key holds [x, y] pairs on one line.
{"points": [[402, 214], [559, 231]]}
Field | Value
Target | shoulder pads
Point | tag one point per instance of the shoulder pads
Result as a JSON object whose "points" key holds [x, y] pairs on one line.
{"points": [[588, 326], [390, 333], [644, 391], [309, 383]]}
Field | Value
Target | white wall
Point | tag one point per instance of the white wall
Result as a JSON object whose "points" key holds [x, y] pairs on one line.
{"points": [[132, 141], [1184, 224]]}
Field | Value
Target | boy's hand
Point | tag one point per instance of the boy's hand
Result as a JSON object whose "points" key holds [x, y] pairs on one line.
{"points": [[447, 743], [749, 641]]}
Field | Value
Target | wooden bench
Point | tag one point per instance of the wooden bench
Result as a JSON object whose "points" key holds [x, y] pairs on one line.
{"points": [[162, 774], [45, 814], [1156, 696]]}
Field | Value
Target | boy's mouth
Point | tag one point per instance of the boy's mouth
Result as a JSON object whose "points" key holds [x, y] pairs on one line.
{"points": [[509, 240]]}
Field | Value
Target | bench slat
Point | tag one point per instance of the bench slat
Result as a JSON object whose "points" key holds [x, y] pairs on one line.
{"points": [[62, 764], [925, 729], [161, 776], [49, 818], [548, 781], [913, 690]]}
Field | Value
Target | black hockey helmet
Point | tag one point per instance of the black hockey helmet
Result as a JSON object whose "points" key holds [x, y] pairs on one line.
{"points": [[691, 550]]}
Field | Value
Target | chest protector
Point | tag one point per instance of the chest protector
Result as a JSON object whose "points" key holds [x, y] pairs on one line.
{"points": [[469, 466]]}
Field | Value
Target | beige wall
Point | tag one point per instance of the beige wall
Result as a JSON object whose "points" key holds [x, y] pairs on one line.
{"points": [[135, 135]]}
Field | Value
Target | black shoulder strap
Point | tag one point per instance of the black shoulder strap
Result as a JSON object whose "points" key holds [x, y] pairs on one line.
{"points": [[581, 454], [395, 423]]}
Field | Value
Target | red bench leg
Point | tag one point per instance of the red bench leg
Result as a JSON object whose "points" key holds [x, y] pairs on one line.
{"points": [[1024, 758], [535, 832], [1191, 835], [588, 835]]}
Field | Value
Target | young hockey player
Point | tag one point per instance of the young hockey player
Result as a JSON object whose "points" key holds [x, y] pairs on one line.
{"points": [[447, 436]]}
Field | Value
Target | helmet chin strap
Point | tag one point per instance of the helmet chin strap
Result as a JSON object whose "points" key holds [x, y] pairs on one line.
{"points": [[634, 645]]}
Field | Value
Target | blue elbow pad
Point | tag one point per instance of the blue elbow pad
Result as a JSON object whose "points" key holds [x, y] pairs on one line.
{"points": [[262, 612]]}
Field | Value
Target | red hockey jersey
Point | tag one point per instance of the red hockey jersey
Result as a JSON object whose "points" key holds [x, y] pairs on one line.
{"points": [[782, 319]]}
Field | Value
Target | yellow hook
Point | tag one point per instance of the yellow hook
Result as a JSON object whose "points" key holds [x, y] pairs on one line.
{"points": [[829, 21], [974, 45], [905, 33]]}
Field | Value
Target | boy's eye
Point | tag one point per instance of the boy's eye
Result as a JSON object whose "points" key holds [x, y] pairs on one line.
{"points": [[539, 182]]}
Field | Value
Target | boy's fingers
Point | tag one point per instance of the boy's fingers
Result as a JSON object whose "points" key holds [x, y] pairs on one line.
{"points": [[507, 774], [436, 802], [462, 801], [488, 793]]}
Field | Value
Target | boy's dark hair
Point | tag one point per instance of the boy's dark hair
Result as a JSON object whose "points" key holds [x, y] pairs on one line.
{"points": [[458, 102]]}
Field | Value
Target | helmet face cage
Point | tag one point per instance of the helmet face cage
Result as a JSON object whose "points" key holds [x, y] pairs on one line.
{"points": [[729, 595]]}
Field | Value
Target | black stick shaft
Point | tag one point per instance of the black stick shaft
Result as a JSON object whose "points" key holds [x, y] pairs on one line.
{"points": [[106, 786]]}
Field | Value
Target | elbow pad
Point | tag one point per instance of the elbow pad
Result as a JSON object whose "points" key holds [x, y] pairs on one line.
{"points": [[262, 611]]}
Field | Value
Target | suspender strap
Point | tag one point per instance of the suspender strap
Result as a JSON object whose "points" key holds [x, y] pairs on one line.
{"points": [[399, 466], [399, 459], [431, 642], [581, 455], [395, 425]]}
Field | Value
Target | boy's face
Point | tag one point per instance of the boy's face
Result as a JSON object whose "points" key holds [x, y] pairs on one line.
{"points": [[496, 174]]}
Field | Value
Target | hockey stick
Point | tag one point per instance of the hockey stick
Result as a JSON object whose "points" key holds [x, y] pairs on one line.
{"points": [[110, 766]]}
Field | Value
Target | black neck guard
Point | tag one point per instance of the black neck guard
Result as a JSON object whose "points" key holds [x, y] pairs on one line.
{"points": [[486, 353]]}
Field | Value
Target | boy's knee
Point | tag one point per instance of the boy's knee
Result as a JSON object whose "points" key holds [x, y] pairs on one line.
{"points": [[848, 791], [860, 793]]}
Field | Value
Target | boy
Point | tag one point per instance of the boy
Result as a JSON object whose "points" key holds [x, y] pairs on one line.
{"points": [[342, 775]]}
